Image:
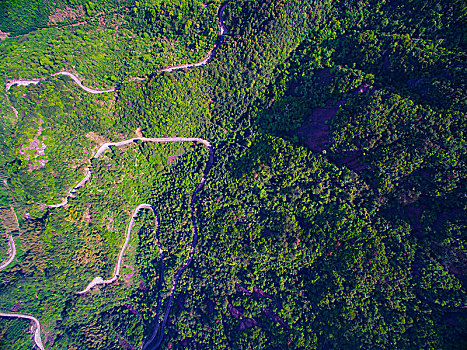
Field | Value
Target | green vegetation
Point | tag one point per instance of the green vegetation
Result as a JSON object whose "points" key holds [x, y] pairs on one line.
{"points": [[4, 246], [334, 215], [14, 334]]}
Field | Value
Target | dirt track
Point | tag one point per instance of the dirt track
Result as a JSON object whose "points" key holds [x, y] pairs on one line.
{"points": [[100, 151], [11, 252], [37, 330]]}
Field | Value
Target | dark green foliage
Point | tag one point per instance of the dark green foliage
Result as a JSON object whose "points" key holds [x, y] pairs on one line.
{"points": [[333, 215]]}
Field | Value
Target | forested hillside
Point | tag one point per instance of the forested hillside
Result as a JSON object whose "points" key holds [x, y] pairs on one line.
{"points": [[333, 215]]}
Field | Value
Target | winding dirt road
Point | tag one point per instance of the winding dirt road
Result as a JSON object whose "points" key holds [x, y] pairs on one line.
{"points": [[37, 326], [87, 177], [208, 58], [11, 243], [99, 280], [37, 329], [11, 252], [211, 54]]}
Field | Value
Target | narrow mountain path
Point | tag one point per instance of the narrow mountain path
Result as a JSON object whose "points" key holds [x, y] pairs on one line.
{"points": [[208, 58], [11, 252], [11, 243], [37, 329], [99, 280], [87, 177]]}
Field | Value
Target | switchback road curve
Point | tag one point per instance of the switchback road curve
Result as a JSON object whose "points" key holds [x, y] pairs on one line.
{"points": [[11, 243], [37, 329], [98, 280], [11, 252], [208, 58]]}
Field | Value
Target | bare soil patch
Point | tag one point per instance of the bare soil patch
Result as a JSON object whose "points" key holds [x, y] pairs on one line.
{"points": [[127, 278], [3, 35], [139, 132], [8, 220], [69, 13], [37, 159], [17, 307], [94, 136]]}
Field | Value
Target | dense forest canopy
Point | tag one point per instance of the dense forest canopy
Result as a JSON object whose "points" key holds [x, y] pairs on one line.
{"points": [[334, 213]]}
